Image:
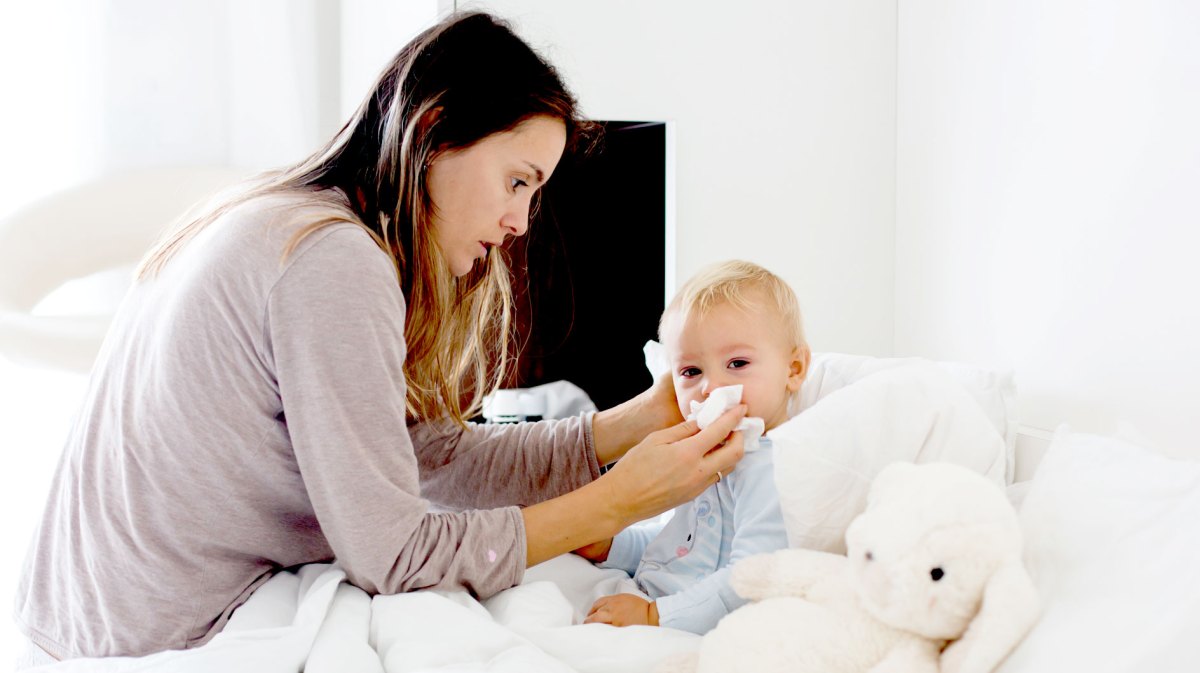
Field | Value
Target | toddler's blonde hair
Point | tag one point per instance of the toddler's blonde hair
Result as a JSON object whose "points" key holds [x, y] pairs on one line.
{"points": [[735, 282]]}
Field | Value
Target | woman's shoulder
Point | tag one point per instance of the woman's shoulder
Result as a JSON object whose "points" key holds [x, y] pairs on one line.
{"points": [[291, 225], [289, 211]]}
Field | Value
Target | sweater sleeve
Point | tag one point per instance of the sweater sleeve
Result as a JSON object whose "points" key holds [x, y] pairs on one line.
{"points": [[494, 465], [757, 528], [334, 331]]}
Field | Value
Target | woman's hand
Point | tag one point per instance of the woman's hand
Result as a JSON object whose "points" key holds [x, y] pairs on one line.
{"points": [[623, 610], [666, 469], [616, 430], [674, 465]]}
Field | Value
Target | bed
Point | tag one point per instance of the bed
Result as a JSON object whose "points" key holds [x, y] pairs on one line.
{"points": [[1112, 541]]}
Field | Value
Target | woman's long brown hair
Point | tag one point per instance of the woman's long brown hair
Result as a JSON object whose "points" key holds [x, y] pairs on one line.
{"points": [[463, 80]]}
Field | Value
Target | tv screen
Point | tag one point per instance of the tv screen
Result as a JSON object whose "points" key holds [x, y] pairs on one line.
{"points": [[590, 274]]}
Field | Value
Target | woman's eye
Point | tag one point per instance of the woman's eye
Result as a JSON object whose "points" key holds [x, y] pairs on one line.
{"points": [[738, 364], [689, 372], [517, 182]]}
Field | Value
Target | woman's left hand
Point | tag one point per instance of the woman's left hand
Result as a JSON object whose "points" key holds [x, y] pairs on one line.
{"points": [[661, 407], [623, 610], [616, 430]]}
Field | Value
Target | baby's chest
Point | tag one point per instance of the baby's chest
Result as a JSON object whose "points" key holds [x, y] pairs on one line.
{"points": [[696, 538]]}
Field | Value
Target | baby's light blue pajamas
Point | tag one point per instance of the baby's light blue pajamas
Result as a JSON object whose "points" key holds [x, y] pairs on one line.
{"points": [[685, 564]]}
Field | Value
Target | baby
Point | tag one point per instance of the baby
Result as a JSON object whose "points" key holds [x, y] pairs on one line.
{"points": [[733, 324]]}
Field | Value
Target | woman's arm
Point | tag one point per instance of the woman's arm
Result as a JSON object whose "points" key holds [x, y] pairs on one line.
{"points": [[497, 465], [334, 339], [335, 343], [667, 468]]}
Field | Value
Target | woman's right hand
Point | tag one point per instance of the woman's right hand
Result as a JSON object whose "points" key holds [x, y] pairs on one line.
{"points": [[674, 465], [666, 469]]}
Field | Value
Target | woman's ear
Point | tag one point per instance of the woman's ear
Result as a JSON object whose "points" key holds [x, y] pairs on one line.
{"points": [[425, 124], [798, 367], [428, 119]]}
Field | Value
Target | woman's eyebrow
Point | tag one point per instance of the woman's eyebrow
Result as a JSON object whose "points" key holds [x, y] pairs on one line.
{"points": [[541, 176]]}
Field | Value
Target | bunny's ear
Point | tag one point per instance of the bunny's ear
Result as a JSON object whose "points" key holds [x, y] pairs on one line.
{"points": [[890, 478], [1009, 609]]}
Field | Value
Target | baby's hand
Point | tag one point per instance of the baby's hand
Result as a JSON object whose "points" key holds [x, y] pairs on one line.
{"points": [[623, 610]]}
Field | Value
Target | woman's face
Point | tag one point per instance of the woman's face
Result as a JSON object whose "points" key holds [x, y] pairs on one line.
{"points": [[481, 194]]}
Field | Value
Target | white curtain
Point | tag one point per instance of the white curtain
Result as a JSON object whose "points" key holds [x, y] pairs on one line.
{"points": [[100, 86]]}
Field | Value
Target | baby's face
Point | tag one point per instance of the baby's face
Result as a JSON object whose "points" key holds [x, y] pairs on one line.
{"points": [[729, 346]]}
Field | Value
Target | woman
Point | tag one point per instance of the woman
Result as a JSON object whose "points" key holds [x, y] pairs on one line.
{"points": [[288, 380]]}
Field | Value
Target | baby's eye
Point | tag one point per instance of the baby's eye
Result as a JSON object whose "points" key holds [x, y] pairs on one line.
{"points": [[689, 372], [738, 363], [517, 182]]}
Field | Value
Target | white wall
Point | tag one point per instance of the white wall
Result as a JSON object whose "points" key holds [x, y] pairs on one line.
{"points": [[784, 119], [372, 31], [250, 84], [1048, 197], [96, 87], [47, 142]]}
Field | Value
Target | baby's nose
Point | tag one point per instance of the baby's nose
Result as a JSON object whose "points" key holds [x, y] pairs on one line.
{"points": [[711, 383]]}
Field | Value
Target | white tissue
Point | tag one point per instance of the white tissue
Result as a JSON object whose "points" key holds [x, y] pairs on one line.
{"points": [[721, 400], [656, 359]]}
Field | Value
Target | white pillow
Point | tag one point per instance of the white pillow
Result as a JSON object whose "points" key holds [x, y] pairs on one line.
{"points": [[826, 457], [1112, 540], [992, 389]]}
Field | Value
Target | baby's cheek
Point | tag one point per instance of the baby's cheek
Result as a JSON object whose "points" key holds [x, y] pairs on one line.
{"points": [[684, 407], [752, 398], [682, 398]]}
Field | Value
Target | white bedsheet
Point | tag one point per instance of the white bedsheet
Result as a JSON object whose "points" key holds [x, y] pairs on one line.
{"points": [[313, 620]]}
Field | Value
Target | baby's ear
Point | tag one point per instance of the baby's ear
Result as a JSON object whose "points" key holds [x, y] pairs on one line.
{"points": [[798, 367]]}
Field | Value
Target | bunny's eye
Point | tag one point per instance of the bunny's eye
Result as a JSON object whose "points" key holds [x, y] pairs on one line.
{"points": [[937, 574], [869, 556]]}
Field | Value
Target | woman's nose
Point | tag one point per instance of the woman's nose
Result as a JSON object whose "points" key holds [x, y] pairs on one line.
{"points": [[516, 220]]}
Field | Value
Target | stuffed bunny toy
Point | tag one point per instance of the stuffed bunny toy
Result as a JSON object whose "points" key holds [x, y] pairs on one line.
{"points": [[932, 581]]}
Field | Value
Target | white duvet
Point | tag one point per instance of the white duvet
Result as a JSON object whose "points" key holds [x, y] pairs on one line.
{"points": [[312, 620]]}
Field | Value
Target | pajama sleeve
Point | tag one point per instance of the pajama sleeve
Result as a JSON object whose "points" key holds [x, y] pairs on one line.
{"points": [[629, 545]]}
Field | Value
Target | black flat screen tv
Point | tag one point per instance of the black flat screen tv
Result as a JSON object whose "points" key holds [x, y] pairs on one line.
{"points": [[590, 275]]}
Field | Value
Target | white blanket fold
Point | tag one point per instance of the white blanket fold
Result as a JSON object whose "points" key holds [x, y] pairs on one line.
{"points": [[312, 620]]}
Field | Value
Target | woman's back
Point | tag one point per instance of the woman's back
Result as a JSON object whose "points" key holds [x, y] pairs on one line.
{"points": [[180, 470]]}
